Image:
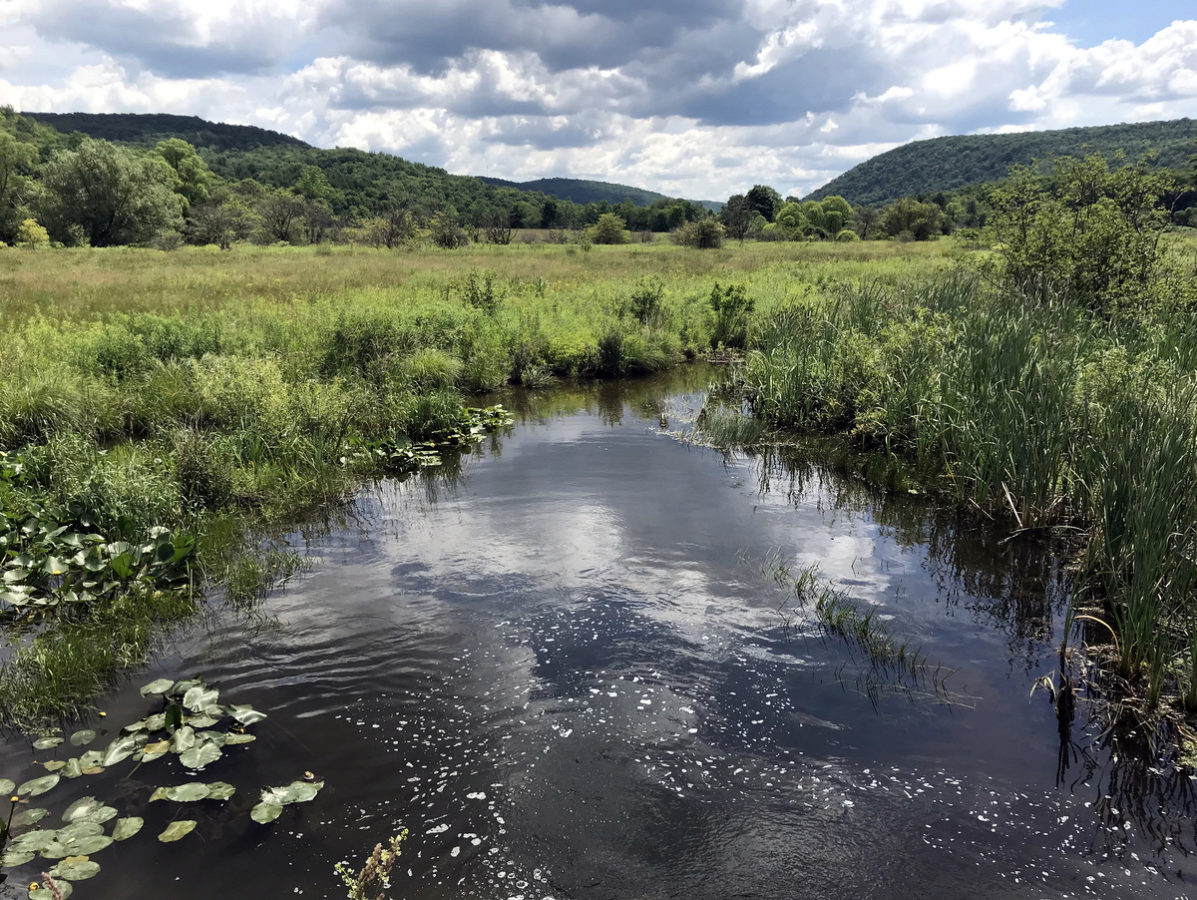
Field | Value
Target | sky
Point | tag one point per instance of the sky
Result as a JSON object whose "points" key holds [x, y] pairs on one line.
{"points": [[692, 98]]}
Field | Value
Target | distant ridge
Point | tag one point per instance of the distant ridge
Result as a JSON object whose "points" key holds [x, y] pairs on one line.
{"points": [[148, 129], [581, 191], [947, 163]]}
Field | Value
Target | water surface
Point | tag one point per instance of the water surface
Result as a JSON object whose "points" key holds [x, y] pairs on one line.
{"points": [[563, 667]]}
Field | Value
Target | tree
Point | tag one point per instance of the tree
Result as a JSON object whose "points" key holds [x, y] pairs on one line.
{"points": [[17, 161], [220, 221], [911, 218], [737, 216], [108, 195], [763, 200], [313, 185], [791, 221], [195, 180], [866, 221], [609, 229], [1090, 234], [281, 214], [837, 214], [32, 235], [445, 230], [395, 226]]}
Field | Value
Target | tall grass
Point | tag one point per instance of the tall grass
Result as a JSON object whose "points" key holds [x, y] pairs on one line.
{"points": [[1042, 412]]}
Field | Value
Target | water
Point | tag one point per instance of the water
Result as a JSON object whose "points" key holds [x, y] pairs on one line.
{"points": [[564, 668]]}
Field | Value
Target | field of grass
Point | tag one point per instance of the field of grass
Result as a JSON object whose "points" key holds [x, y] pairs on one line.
{"points": [[159, 412]]}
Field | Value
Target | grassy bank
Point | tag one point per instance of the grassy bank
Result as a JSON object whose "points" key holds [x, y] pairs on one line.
{"points": [[1045, 413], [159, 411]]}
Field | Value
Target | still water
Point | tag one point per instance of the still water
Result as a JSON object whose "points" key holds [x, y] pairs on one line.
{"points": [[565, 668]]}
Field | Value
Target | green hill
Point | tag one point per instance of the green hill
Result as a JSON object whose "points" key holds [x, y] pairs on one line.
{"points": [[580, 191], [147, 130], [949, 163]]}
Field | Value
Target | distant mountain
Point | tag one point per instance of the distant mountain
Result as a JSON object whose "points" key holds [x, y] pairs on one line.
{"points": [[947, 163], [149, 129], [583, 192]]}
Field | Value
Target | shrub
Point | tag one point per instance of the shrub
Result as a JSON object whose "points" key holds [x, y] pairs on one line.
{"points": [[730, 309], [609, 229], [703, 234], [847, 235], [32, 235]]}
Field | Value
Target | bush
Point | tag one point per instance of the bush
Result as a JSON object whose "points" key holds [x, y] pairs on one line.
{"points": [[847, 235], [609, 229], [703, 234], [32, 235], [730, 309]]}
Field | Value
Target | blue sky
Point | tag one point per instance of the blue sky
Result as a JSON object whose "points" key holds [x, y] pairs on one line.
{"points": [[697, 98]]}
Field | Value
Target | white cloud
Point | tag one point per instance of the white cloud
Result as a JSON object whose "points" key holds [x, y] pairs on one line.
{"points": [[695, 97]]}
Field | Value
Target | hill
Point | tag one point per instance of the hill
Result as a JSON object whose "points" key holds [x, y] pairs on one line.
{"points": [[949, 163], [580, 191], [148, 129]]}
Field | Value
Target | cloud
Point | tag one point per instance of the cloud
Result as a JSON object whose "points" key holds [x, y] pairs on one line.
{"points": [[695, 97]]}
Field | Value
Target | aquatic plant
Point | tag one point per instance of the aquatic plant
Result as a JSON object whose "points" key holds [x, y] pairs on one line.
{"points": [[373, 878]]}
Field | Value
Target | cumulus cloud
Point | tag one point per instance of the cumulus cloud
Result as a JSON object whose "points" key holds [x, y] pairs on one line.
{"points": [[691, 97]]}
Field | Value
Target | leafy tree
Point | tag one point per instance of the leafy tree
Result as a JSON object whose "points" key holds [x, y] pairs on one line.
{"points": [[313, 184], [1090, 234], [791, 221], [609, 229], [221, 221], [763, 200], [730, 310], [195, 179], [30, 234], [446, 231], [281, 214], [108, 195], [17, 162], [737, 216], [912, 219], [866, 221], [391, 229], [837, 214]]}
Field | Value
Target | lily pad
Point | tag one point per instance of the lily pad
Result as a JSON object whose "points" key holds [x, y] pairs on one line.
{"points": [[176, 830], [299, 791], [201, 721], [31, 816], [265, 812], [53, 765], [220, 790], [7, 786], [187, 793], [36, 786], [83, 737], [234, 738], [119, 750], [72, 769], [199, 756], [183, 739], [80, 809], [201, 698], [76, 869], [65, 889], [47, 742], [126, 828], [151, 752], [157, 686], [15, 858]]}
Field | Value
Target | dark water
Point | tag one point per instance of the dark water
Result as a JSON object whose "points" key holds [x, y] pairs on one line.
{"points": [[563, 668]]}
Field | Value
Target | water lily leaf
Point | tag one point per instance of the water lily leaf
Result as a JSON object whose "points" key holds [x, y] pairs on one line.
{"points": [[220, 790], [200, 698], [36, 786], [47, 742], [75, 845], [30, 816], [65, 888], [56, 566], [234, 739], [265, 812], [200, 755], [215, 737], [159, 794], [151, 752], [156, 722], [157, 686], [201, 721], [183, 739], [81, 809], [176, 830], [119, 750], [126, 828], [93, 770], [187, 793], [299, 791], [33, 841], [53, 765], [72, 769], [76, 869], [90, 758], [246, 714], [7, 786], [16, 858]]}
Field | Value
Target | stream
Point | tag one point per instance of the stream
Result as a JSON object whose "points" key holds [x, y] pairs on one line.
{"points": [[564, 665]]}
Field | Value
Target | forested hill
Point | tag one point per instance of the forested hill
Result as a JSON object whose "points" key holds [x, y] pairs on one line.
{"points": [[580, 191], [146, 130], [924, 168]]}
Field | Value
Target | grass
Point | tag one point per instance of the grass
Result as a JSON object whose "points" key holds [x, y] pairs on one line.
{"points": [[1051, 416]]}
